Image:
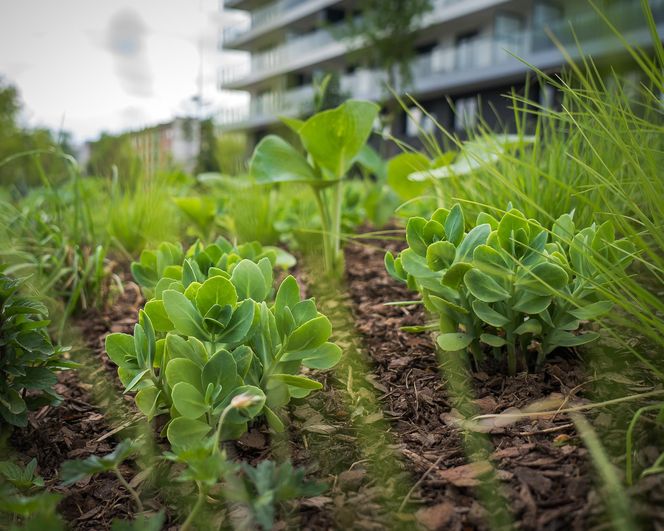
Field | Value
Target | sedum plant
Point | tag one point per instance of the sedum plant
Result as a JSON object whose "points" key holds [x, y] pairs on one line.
{"points": [[28, 359], [333, 140], [213, 331], [509, 285]]}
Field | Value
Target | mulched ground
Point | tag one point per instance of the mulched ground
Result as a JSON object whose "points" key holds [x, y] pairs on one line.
{"points": [[542, 469]]}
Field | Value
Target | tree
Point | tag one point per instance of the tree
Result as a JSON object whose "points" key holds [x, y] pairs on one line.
{"points": [[388, 31], [207, 155], [114, 150]]}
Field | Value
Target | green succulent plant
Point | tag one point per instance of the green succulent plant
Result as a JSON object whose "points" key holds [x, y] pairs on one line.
{"points": [[509, 284], [212, 332]]}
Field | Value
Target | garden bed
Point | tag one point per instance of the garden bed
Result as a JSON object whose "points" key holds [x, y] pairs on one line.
{"points": [[543, 471]]}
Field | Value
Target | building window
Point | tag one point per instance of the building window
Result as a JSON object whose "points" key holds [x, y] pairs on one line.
{"points": [[418, 122], [465, 116]]}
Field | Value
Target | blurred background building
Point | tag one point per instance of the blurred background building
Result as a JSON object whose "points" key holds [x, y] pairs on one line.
{"points": [[465, 57]]}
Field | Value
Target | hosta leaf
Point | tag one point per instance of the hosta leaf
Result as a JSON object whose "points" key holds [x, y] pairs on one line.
{"points": [[188, 400], [560, 338], [453, 342], [335, 137], [275, 160], [483, 287], [398, 170]]}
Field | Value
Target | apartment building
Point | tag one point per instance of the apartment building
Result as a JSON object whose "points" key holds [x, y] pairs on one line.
{"points": [[466, 56]]}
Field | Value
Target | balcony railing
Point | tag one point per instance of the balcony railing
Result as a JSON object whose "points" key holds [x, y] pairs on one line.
{"points": [[442, 63]]}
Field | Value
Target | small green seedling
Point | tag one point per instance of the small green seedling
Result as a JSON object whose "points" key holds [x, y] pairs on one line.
{"points": [[264, 487], [23, 479], [76, 470], [508, 284]]}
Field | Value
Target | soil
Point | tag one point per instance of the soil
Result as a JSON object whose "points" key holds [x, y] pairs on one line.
{"points": [[541, 468]]}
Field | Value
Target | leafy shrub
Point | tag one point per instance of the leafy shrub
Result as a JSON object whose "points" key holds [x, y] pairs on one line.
{"points": [[28, 359], [509, 283], [211, 333]]}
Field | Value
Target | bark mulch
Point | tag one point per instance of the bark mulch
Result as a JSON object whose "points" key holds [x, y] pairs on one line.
{"points": [[543, 470]]}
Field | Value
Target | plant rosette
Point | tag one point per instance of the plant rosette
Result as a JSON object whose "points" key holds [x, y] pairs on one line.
{"points": [[201, 342], [509, 285]]}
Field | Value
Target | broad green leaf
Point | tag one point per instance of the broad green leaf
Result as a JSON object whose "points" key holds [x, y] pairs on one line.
{"points": [[591, 311], [530, 303], [453, 342], [455, 225], [398, 170], [483, 287], [542, 278], [183, 314], [242, 415], [324, 356], [335, 137], [531, 326], [120, 348], [221, 369], [511, 222], [493, 340], [215, 290], [416, 265], [455, 274], [297, 381], [136, 380], [415, 235], [156, 310], [391, 268], [560, 338], [183, 370], [443, 306], [240, 324], [489, 315], [276, 161], [273, 420], [188, 400], [249, 281], [187, 433], [472, 240], [147, 400], [288, 294], [310, 334], [440, 255]]}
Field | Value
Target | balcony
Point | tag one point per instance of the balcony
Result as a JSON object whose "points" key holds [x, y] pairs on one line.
{"points": [[446, 68], [307, 49]]}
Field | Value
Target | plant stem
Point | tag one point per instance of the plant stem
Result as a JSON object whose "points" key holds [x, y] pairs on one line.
{"points": [[200, 500], [130, 490], [217, 433], [325, 221]]}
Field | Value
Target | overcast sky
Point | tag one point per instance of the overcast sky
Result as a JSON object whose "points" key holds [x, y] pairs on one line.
{"points": [[92, 66]]}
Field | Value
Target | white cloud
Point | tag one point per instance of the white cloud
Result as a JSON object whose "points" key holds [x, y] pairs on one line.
{"points": [[109, 65]]}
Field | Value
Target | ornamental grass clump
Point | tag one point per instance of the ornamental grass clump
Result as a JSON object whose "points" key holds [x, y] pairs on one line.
{"points": [[214, 330], [508, 286]]}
